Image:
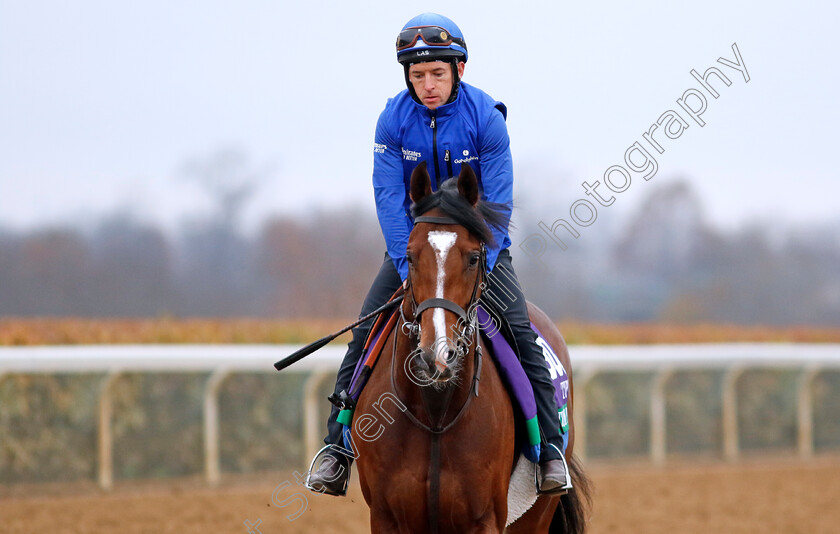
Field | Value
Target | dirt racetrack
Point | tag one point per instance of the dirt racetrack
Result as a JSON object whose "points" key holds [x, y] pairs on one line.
{"points": [[768, 496]]}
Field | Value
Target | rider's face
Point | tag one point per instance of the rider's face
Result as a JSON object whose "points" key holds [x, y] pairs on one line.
{"points": [[432, 81]]}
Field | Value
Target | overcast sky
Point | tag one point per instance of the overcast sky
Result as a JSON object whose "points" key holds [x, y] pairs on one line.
{"points": [[102, 102]]}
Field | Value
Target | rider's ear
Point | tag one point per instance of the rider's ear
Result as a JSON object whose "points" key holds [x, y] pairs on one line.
{"points": [[468, 184], [421, 184]]}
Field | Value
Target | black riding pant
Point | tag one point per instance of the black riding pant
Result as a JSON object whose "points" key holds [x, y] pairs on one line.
{"points": [[385, 284], [505, 294]]}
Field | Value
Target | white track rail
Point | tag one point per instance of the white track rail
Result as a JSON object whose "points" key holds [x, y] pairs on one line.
{"points": [[220, 361]]}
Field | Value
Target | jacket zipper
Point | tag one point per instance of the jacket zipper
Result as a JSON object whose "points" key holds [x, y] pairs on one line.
{"points": [[434, 149], [448, 160]]}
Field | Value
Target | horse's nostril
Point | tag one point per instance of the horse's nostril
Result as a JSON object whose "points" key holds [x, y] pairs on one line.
{"points": [[428, 359]]}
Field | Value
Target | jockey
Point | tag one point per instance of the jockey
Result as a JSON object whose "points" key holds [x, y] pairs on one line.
{"points": [[442, 119]]}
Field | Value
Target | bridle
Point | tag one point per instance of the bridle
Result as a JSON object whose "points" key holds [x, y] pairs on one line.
{"points": [[468, 319], [468, 335]]}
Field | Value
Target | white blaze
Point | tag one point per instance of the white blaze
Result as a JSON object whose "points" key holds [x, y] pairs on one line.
{"points": [[441, 242]]}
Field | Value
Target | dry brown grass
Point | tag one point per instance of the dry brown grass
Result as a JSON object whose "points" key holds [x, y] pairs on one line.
{"points": [[78, 331], [647, 333]]}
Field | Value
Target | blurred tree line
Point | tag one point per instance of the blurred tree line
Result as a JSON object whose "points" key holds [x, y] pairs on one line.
{"points": [[663, 262], [666, 262], [319, 267]]}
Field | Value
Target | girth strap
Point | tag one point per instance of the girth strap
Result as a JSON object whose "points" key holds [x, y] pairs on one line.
{"points": [[433, 493]]}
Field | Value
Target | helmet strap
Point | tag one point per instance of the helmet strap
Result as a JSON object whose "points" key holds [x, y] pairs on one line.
{"points": [[456, 81]]}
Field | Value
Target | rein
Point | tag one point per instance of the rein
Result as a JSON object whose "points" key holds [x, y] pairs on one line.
{"points": [[436, 431], [469, 331], [435, 428]]}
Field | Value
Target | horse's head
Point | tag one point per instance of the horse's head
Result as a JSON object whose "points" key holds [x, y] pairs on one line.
{"points": [[446, 265]]}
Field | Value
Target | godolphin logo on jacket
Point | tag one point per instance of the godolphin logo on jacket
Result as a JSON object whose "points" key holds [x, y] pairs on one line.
{"points": [[467, 158]]}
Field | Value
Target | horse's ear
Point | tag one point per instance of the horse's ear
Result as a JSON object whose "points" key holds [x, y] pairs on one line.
{"points": [[468, 184], [421, 183]]}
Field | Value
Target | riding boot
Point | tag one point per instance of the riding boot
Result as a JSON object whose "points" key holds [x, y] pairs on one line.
{"points": [[331, 476], [554, 476]]}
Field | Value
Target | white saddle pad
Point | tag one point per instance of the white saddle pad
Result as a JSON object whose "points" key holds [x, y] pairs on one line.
{"points": [[522, 491]]}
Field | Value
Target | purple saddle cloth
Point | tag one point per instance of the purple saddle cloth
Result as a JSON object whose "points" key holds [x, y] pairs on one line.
{"points": [[516, 379]]}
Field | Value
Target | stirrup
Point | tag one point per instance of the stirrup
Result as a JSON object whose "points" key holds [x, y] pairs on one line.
{"points": [[307, 483], [561, 490]]}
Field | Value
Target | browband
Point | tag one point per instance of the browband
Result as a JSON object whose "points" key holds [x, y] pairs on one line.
{"points": [[435, 220]]}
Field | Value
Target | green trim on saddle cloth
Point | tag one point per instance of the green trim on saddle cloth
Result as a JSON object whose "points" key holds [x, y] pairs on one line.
{"points": [[533, 429], [345, 417], [564, 419]]}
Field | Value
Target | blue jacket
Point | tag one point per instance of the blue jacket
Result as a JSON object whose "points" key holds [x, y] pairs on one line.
{"points": [[471, 129]]}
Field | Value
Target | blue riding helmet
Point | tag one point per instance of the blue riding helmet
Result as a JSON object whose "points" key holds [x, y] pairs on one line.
{"points": [[431, 37]]}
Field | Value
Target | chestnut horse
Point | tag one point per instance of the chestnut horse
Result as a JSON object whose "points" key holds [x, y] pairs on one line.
{"points": [[444, 463]]}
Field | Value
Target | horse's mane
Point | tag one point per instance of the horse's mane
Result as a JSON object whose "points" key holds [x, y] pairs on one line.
{"points": [[477, 221]]}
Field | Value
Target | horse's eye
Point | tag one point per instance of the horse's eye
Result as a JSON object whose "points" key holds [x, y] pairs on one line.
{"points": [[410, 259], [474, 260]]}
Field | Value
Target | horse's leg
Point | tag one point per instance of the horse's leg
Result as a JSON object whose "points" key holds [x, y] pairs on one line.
{"points": [[382, 523], [537, 519], [493, 525], [487, 529]]}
